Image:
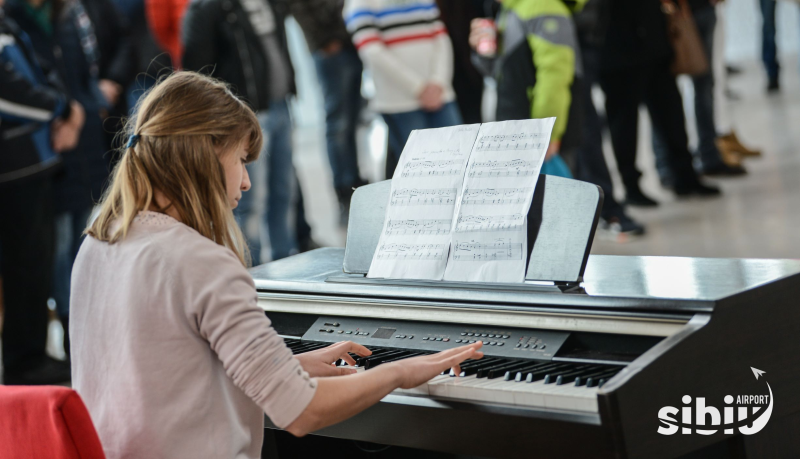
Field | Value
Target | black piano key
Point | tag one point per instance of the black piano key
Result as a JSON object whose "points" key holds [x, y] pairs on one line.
{"points": [[568, 375], [501, 371], [361, 361], [479, 363], [372, 362], [597, 371], [519, 374], [484, 371], [592, 382], [536, 375], [473, 369]]}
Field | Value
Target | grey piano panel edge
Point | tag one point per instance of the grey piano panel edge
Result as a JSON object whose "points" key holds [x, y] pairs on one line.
{"points": [[323, 289], [672, 315]]}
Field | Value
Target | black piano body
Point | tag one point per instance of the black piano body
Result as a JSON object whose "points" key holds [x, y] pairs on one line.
{"points": [[674, 327]]}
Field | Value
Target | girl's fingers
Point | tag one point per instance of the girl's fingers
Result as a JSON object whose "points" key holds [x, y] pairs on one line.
{"points": [[356, 348], [350, 361]]}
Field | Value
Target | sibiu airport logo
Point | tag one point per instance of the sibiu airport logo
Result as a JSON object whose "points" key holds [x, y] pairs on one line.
{"points": [[746, 413]]}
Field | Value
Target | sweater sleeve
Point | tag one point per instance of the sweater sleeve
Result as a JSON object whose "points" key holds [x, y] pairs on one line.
{"points": [[359, 17], [225, 313], [443, 59]]}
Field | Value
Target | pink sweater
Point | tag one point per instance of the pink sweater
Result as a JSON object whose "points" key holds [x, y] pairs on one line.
{"points": [[170, 352]]}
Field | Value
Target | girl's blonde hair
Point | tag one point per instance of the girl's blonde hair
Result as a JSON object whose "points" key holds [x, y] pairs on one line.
{"points": [[184, 124]]}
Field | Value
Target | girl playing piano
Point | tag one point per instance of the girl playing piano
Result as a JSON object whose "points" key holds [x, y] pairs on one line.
{"points": [[170, 352]]}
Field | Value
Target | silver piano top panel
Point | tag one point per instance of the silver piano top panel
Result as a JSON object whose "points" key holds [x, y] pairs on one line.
{"points": [[661, 283]]}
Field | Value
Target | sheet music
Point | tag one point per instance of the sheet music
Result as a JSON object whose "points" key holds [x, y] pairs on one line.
{"points": [[415, 240], [489, 236]]}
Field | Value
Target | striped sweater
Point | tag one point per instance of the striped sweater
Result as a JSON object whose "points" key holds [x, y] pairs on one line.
{"points": [[405, 46]]}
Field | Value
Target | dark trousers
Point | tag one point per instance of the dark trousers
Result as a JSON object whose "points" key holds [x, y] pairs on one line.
{"points": [[707, 153], [590, 164], [27, 237], [654, 85], [769, 49]]}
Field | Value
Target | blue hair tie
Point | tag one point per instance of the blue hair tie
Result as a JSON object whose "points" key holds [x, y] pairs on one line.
{"points": [[132, 141]]}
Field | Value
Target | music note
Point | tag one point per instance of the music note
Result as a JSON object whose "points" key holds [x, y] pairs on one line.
{"points": [[432, 168], [493, 196], [476, 251], [422, 197], [513, 168], [472, 223], [425, 226], [508, 142], [411, 251]]}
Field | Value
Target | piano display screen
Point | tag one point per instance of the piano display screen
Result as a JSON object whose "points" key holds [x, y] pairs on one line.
{"points": [[384, 333]]}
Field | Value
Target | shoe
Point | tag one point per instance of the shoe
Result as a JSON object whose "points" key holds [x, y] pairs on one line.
{"points": [[696, 189], [49, 372], [723, 170], [635, 197], [731, 142], [773, 86], [620, 228]]}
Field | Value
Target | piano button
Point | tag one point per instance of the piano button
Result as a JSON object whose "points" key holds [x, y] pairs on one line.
{"points": [[491, 336], [485, 342], [424, 338], [322, 330], [438, 339], [340, 331], [331, 324], [410, 336], [365, 333], [533, 346], [492, 343], [506, 336], [518, 345], [483, 335], [446, 340], [542, 346], [526, 346], [458, 341], [500, 344], [470, 334], [473, 341], [463, 333], [348, 332]]}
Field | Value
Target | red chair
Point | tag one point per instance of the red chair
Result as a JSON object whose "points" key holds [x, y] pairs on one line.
{"points": [[46, 422]]}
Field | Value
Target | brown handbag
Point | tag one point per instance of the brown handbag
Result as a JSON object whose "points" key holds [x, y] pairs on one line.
{"points": [[689, 56]]}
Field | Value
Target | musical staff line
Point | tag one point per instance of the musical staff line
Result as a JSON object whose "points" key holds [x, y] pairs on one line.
{"points": [[424, 226], [474, 223], [432, 168], [484, 196], [514, 167], [422, 197], [476, 251], [412, 251]]}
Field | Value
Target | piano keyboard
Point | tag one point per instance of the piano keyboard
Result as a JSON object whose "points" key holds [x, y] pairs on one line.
{"points": [[526, 383]]}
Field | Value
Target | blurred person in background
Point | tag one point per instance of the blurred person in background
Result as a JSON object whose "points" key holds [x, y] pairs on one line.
{"points": [[457, 15], [116, 65], [243, 42], [339, 73], [37, 120], [707, 156], [532, 53], [165, 19], [409, 55], [590, 163], [150, 60], [769, 47], [63, 36], [635, 69]]}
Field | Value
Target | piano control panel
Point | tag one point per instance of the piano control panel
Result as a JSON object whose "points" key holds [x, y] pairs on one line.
{"points": [[427, 336]]}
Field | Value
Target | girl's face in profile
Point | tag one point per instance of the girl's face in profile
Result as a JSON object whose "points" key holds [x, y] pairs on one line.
{"points": [[236, 178]]}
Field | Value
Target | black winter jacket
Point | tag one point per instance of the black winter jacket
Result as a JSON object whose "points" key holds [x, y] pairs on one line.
{"points": [[321, 21], [29, 101], [219, 40]]}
